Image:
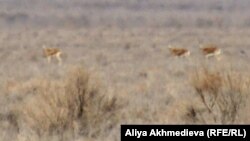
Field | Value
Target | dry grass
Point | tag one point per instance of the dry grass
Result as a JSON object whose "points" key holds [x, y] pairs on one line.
{"points": [[40, 101], [125, 43], [222, 96], [74, 104]]}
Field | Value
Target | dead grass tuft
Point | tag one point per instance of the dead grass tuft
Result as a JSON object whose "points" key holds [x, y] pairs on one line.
{"points": [[75, 103], [221, 95]]}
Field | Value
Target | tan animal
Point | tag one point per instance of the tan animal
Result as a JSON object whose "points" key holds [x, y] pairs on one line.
{"points": [[210, 50], [179, 52], [52, 52]]}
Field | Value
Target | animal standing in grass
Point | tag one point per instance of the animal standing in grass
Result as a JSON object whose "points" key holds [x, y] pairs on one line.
{"points": [[210, 50], [52, 52], [179, 52]]}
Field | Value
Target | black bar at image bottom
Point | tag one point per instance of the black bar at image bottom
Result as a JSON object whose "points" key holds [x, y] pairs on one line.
{"points": [[187, 132]]}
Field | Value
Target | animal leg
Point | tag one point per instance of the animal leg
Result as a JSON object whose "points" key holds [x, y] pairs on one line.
{"points": [[58, 56]]}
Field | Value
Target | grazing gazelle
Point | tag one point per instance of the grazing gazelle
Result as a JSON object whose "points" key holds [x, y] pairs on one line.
{"points": [[179, 52], [52, 52], [210, 50]]}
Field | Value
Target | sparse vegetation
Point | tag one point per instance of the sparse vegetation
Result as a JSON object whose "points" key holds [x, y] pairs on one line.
{"points": [[222, 95], [73, 104], [129, 75]]}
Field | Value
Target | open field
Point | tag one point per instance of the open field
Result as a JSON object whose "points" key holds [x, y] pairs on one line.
{"points": [[117, 67]]}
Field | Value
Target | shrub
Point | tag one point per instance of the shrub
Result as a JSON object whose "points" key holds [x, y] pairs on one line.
{"points": [[75, 103], [222, 95]]}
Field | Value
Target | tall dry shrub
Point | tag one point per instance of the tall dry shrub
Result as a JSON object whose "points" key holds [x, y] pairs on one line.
{"points": [[221, 95], [75, 103], [90, 105]]}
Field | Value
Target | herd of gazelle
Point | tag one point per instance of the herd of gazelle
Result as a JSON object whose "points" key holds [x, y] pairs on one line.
{"points": [[207, 50]]}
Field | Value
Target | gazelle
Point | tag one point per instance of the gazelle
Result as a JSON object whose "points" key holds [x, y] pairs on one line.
{"points": [[52, 52], [210, 50], [179, 52]]}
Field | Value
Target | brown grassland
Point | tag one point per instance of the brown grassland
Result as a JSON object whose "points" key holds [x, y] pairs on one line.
{"points": [[115, 72]]}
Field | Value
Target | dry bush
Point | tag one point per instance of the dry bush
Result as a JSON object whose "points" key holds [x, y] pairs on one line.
{"points": [[76, 104], [222, 95], [45, 111], [94, 108]]}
